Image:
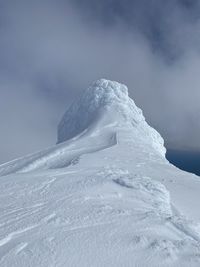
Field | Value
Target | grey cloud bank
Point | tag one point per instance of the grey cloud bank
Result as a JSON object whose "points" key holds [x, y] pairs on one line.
{"points": [[51, 50]]}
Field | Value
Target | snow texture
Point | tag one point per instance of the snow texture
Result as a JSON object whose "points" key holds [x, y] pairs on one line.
{"points": [[104, 196]]}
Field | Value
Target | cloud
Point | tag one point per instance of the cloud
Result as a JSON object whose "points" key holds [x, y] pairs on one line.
{"points": [[51, 50]]}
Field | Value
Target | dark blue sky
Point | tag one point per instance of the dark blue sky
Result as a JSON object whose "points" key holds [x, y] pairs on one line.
{"points": [[51, 50]]}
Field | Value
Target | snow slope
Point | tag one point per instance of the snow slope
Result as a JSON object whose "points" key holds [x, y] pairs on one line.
{"points": [[103, 196]]}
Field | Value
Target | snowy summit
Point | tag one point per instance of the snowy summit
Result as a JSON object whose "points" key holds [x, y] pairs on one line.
{"points": [[105, 195], [106, 103]]}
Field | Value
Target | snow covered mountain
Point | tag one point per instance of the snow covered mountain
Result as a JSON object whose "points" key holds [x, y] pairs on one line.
{"points": [[105, 195]]}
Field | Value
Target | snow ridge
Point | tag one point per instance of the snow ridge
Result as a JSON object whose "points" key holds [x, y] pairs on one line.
{"points": [[104, 116]]}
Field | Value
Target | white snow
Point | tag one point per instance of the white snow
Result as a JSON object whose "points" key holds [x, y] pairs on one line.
{"points": [[103, 103], [104, 196]]}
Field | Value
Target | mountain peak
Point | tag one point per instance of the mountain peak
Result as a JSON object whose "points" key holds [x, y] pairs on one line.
{"points": [[106, 91], [107, 103], [104, 98], [104, 116]]}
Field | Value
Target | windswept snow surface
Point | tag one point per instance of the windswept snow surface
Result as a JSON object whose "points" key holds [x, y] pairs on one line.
{"points": [[104, 196]]}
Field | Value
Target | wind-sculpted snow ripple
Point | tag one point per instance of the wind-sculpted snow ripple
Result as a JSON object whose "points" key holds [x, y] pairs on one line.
{"points": [[153, 193]]}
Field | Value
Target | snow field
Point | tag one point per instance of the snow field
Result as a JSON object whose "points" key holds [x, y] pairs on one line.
{"points": [[104, 196]]}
